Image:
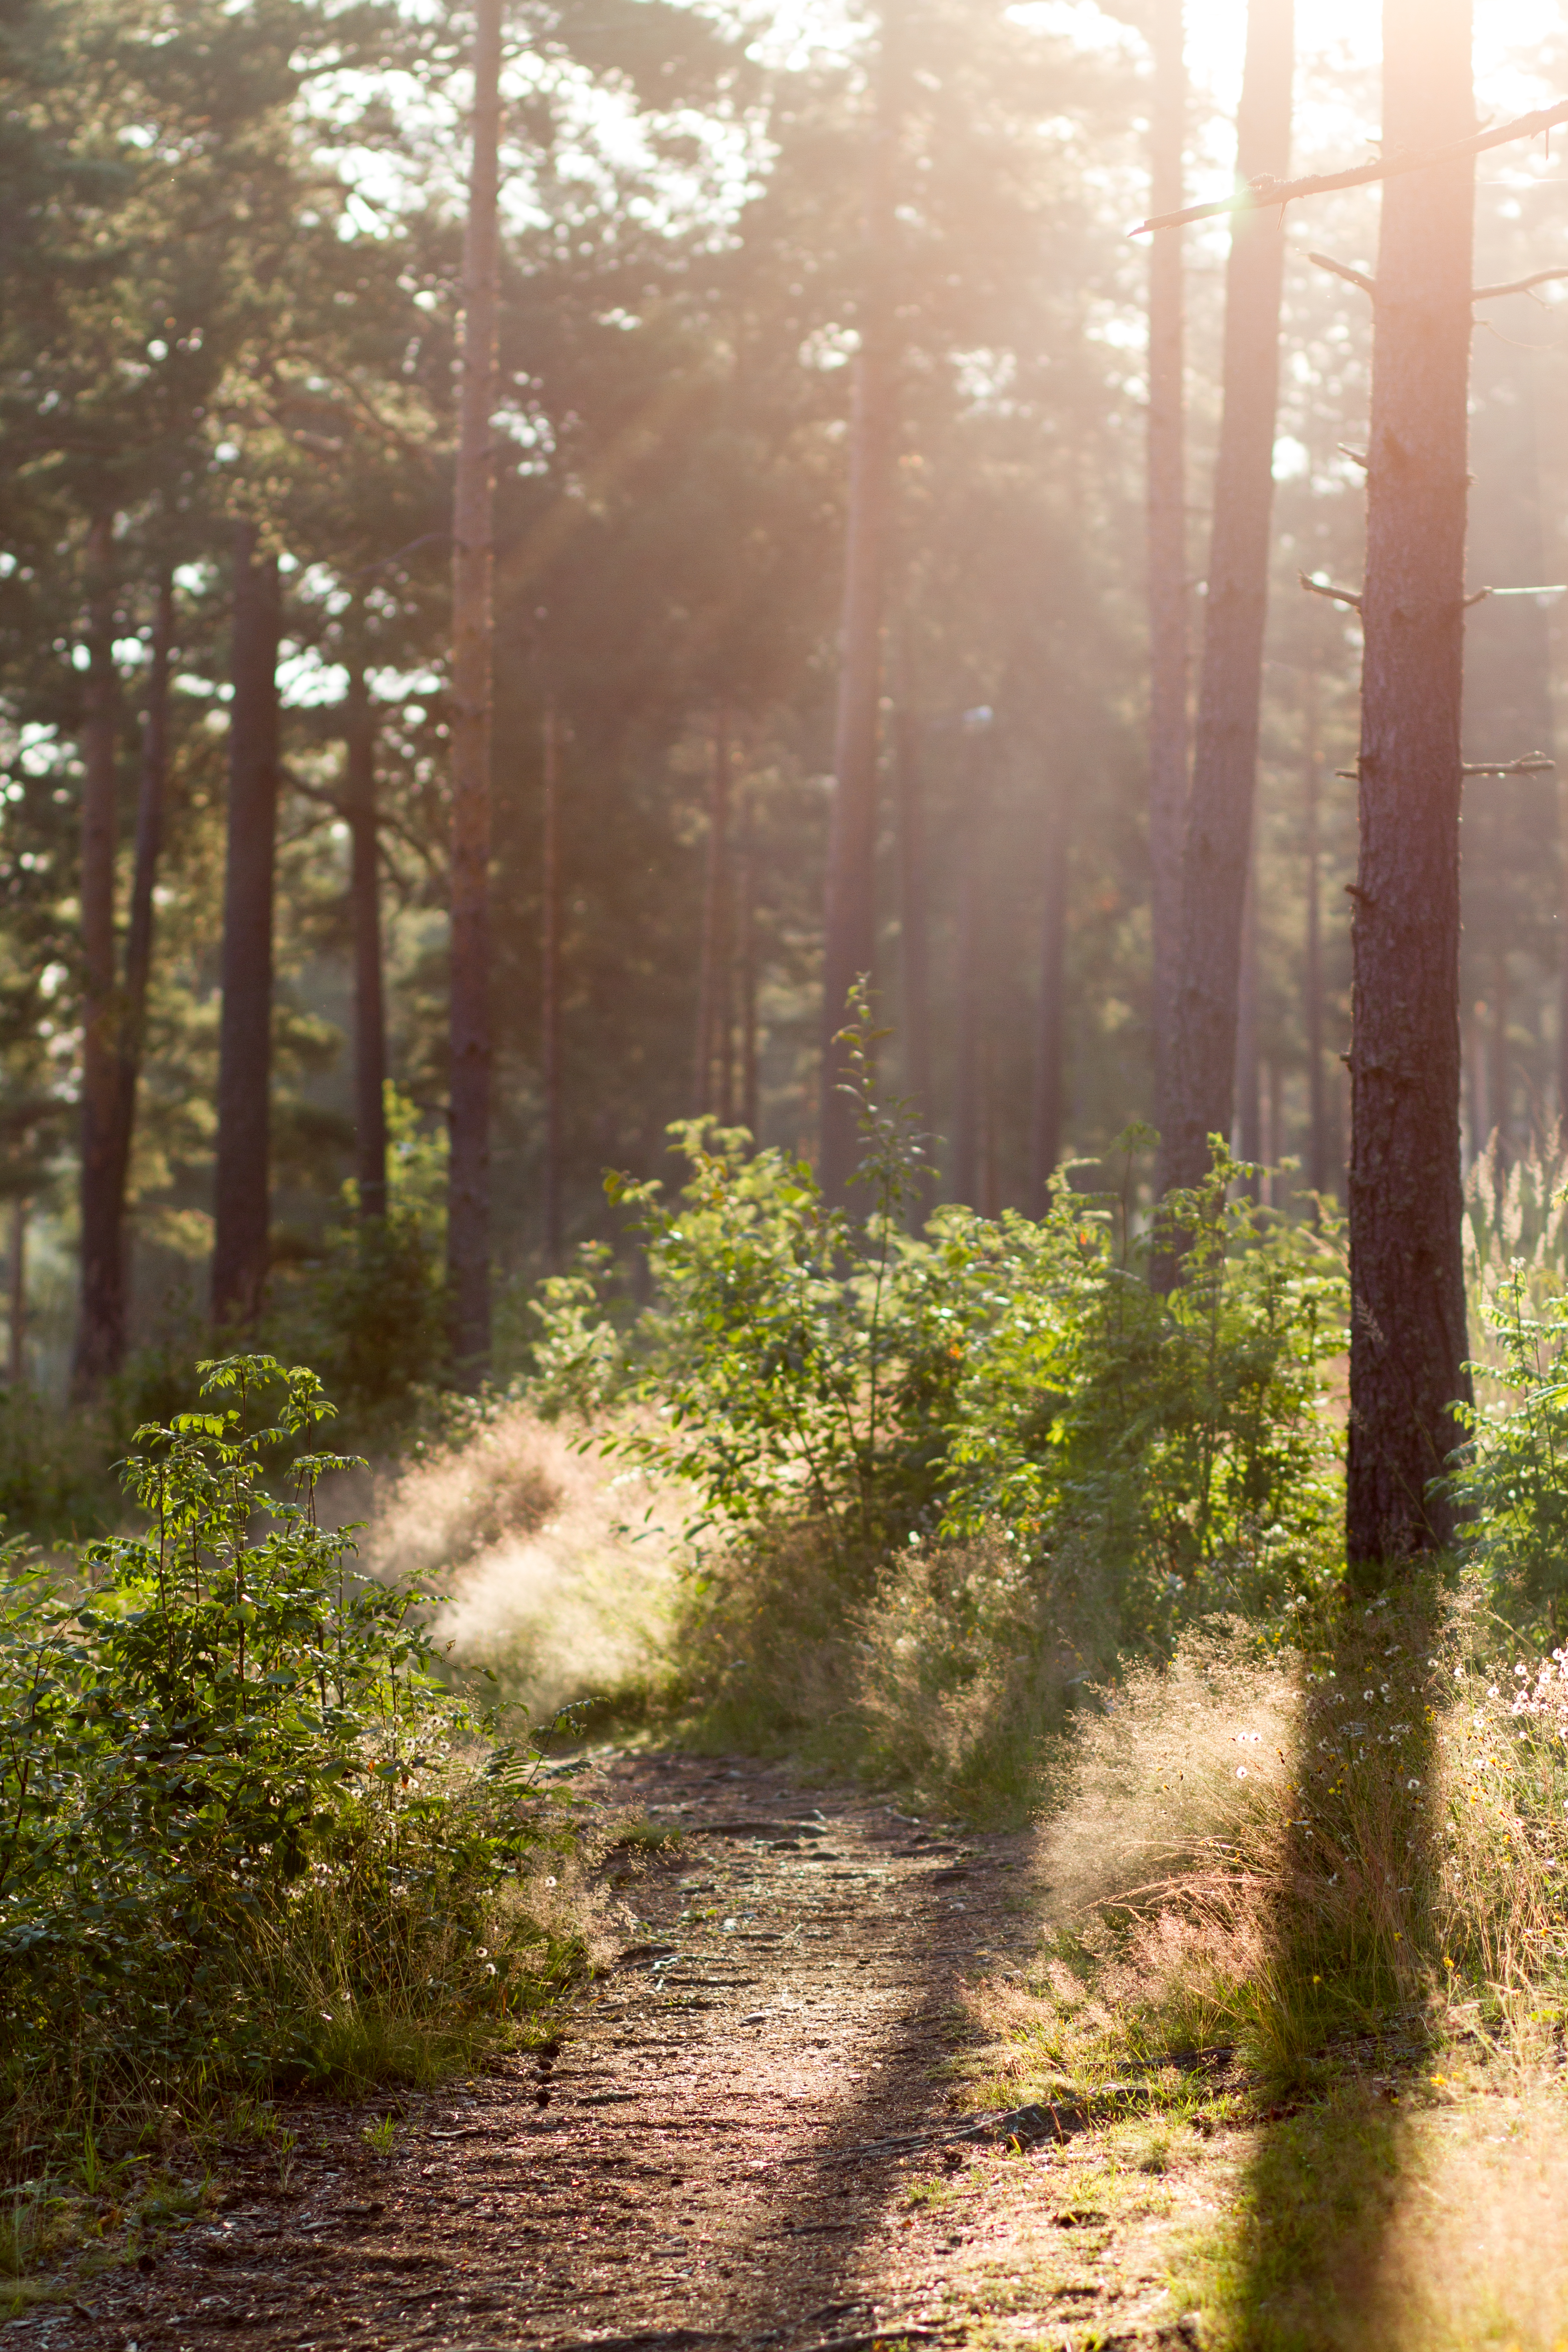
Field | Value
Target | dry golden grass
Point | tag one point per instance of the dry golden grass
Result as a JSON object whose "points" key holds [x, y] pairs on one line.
{"points": [[559, 1564]]}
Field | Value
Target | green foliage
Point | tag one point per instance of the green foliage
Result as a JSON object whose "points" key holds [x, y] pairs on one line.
{"points": [[247, 1831], [1509, 1480], [991, 1378]]}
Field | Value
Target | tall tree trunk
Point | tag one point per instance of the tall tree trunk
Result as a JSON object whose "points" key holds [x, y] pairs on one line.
{"points": [[1407, 1325], [1225, 763], [1045, 1137], [750, 1110], [360, 811], [849, 911], [973, 915], [241, 1186], [473, 565], [1562, 951], [1167, 547], [712, 986], [152, 791], [16, 1347], [914, 930], [1248, 1065], [1317, 1107], [100, 1324], [1499, 1086], [550, 990]]}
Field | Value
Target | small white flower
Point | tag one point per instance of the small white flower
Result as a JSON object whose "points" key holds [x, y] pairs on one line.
{"points": [[1519, 1672], [550, 1882], [1413, 1784], [1241, 1771]]}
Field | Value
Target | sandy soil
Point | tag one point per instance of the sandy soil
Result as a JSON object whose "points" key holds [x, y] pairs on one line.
{"points": [[745, 2138]]}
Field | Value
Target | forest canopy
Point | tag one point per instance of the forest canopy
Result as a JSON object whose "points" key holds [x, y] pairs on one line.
{"points": [[234, 300]]}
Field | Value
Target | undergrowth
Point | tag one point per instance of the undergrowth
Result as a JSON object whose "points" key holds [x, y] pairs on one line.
{"points": [[251, 1839]]}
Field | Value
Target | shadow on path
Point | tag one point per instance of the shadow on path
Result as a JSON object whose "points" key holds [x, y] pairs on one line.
{"points": [[1351, 1961]]}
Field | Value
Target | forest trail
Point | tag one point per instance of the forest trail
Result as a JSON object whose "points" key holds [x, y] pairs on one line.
{"points": [[745, 2138]]}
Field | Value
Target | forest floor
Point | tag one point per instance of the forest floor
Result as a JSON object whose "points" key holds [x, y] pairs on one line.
{"points": [[780, 2120]]}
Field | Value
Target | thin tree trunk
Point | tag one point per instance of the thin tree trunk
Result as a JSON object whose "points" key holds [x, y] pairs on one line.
{"points": [[1407, 1325], [1563, 950], [849, 910], [365, 900], [473, 565], [1167, 548], [16, 1351], [1248, 1068], [1499, 1088], [747, 895], [712, 1008], [550, 990], [973, 914], [241, 1186], [914, 932], [1224, 765], [150, 795], [100, 1323], [1045, 1139], [1317, 1107]]}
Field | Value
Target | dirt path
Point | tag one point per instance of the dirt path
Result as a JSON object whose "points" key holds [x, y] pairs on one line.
{"points": [[745, 2138]]}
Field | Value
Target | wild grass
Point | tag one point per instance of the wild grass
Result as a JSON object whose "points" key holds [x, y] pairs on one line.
{"points": [[558, 1564], [1269, 1856]]}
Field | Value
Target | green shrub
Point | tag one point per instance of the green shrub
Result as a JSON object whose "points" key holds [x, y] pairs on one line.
{"points": [[986, 1457], [1511, 1477], [248, 1835]]}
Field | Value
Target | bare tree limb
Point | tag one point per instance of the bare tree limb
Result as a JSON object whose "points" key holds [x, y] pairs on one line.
{"points": [[1533, 763], [1337, 595], [1357, 456], [1262, 196], [1478, 598], [1519, 285], [1351, 276]]}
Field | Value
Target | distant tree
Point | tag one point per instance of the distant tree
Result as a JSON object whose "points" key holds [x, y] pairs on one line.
{"points": [[1196, 1099], [241, 1187]]}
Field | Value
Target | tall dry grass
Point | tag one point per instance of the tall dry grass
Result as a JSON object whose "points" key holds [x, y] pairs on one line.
{"points": [[558, 1563], [1250, 1851]]}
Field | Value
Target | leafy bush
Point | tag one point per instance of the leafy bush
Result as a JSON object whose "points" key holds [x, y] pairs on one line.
{"points": [[941, 1479], [898, 1408], [1511, 1477], [248, 1831]]}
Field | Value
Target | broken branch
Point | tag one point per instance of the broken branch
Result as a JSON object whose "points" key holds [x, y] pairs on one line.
{"points": [[1321, 588], [1519, 285], [1262, 196], [1351, 276], [1533, 763]]}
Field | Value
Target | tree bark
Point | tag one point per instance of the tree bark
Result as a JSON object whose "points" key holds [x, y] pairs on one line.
{"points": [[549, 992], [1225, 763], [1249, 1066], [1317, 1107], [359, 812], [241, 1186], [1045, 1139], [969, 1091], [914, 930], [849, 911], [712, 1043], [473, 566], [101, 1322], [1166, 528], [1407, 1330], [17, 1337], [746, 894]]}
